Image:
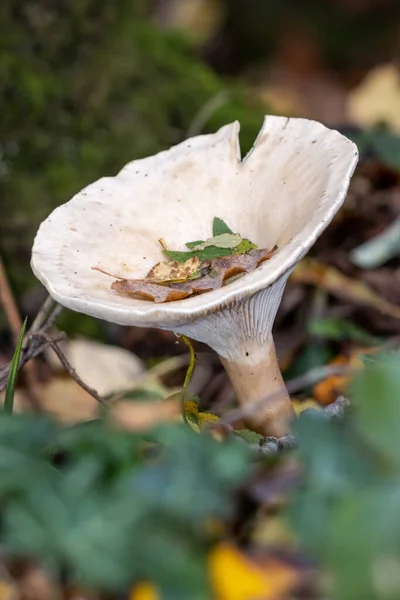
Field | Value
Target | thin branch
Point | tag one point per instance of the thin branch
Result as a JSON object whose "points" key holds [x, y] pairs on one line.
{"points": [[31, 352], [69, 368], [40, 318]]}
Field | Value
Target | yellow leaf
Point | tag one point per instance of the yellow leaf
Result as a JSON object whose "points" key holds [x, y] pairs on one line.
{"points": [[302, 405], [236, 577], [377, 99], [144, 591], [204, 419], [191, 407], [172, 272]]}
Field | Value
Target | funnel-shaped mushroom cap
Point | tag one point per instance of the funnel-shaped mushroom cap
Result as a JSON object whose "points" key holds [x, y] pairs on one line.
{"points": [[285, 192]]}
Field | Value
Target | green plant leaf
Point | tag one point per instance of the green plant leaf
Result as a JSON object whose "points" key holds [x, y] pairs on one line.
{"points": [[339, 329], [224, 240], [375, 393], [251, 437], [220, 227], [193, 244], [12, 378], [244, 247], [206, 254]]}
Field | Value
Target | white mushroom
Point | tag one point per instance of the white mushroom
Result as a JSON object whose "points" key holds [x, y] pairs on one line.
{"points": [[284, 192]]}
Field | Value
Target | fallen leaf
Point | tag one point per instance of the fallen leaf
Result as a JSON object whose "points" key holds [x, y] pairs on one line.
{"points": [[66, 401], [327, 390], [222, 268], [377, 99], [8, 591], [144, 591], [206, 254], [139, 288], [173, 271], [37, 584], [205, 419], [302, 405], [235, 577], [198, 420], [251, 437], [328, 278], [134, 415], [194, 244], [241, 263], [108, 369], [244, 247], [220, 227], [224, 240]]}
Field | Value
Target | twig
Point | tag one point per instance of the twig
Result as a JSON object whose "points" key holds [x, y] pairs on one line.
{"points": [[31, 352], [69, 368], [42, 318]]}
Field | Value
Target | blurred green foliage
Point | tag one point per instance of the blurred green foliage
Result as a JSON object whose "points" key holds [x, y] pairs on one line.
{"points": [[84, 88], [347, 510], [378, 143], [107, 508]]}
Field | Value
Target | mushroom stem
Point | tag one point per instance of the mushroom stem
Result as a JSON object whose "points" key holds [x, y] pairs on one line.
{"points": [[260, 390], [241, 335]]}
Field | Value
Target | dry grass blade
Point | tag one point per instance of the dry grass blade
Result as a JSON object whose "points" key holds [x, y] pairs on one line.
{"points": [[331, 280]]}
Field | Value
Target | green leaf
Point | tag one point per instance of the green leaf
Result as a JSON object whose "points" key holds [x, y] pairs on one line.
{"points": [[339, 329], [381, 143], [207, 254], [225, 240], [244, 247], [193, 244], [375, 393], [363, 543], [251, 437], [220, 227], [12, 378]]}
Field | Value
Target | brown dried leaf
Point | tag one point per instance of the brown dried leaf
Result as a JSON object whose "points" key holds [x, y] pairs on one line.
{"points": [[199, 286], [229, 266], [224, 268], [173, 271], [142, 289], [143, 415]]}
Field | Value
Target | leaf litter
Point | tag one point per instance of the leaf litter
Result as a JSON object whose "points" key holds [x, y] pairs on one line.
{"points": [[208, 265]]}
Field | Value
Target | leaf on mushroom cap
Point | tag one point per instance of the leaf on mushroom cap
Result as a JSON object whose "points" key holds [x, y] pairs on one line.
{"points": [[174, 271], [142, 289], [221, 269], [220, 227], [225, 240], [207, 254]]}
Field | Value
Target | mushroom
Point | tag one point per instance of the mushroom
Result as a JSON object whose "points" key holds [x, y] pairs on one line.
{"points": [[284, 192]]}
